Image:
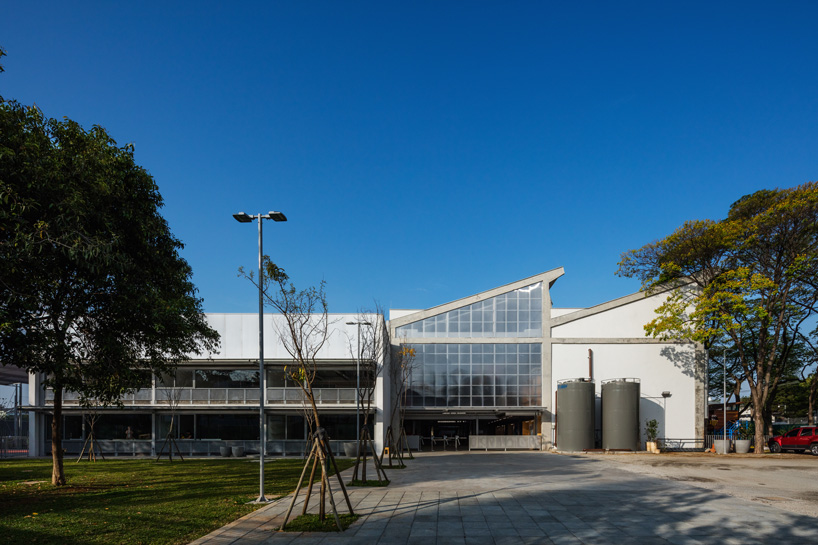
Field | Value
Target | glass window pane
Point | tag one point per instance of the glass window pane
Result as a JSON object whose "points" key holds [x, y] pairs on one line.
{"points": [[520, 311]]}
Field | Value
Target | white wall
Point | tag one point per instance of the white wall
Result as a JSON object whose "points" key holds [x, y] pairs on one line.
{"points": [[659, 367], [395, 313], [239, 337], [555, 312], [625, 321], [621, 350]]}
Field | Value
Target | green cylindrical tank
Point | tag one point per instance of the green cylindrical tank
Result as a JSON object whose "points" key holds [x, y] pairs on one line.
{"points": [[575, 415], [620, 414]]}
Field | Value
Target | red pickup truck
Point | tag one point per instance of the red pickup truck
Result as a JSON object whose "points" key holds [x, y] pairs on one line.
{"points": [[797, 439]]}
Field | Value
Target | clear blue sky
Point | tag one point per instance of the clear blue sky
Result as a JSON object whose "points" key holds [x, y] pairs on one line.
{"points": [[427, 151]]}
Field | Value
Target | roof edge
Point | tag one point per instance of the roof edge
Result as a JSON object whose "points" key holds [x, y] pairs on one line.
{"points": [[547, 277], [615, 303]]}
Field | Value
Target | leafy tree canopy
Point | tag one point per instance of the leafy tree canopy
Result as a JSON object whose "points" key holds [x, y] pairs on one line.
{"points": [[95, 294], [747, 281]]}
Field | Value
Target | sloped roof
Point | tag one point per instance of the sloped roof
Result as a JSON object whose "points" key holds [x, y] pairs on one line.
{"points": [[547, 278]]}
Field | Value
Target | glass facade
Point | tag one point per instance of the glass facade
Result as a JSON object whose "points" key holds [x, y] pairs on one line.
{"points": [[226, 378], [107, 426], [280, 426], [476, 375], [183, 427], [227, 426], [514, 314], [210, 378], [324, 378]]}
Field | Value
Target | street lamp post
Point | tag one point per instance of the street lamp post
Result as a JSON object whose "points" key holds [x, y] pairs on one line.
{"points": [[358, 383], [724, 399], [241, 217]]}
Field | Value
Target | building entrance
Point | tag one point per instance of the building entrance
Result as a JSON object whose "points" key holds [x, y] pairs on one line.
{"points": [[443, 432]]}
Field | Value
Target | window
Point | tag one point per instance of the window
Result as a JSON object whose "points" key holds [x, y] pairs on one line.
{"points": [[226, 378], [514, 314], [229, 427], [479, 375]]}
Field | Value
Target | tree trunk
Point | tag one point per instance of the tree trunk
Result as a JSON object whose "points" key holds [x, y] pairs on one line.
{"points": [[315, 417], [760, 426], [813, 387], [759, 419], [768, 416], [57, 470]]}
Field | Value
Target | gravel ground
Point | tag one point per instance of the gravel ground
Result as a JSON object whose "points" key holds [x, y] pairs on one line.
{"points": [[786, 481]]}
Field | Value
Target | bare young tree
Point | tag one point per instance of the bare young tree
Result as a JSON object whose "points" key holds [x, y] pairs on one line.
{"points": [[401, 367], [303, 331], [368, 347], [91, 417], [172, 397], [92, 404]]}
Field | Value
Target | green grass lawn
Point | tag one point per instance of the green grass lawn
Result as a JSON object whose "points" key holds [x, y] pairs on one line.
{"points": [[133, 501]]}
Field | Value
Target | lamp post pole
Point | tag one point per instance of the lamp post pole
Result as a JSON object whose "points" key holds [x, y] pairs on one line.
{"points": [[724, 396], [241, 217], [358, 383]]}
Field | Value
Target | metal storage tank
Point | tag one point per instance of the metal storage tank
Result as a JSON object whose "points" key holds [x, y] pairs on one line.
{"points": [[620, 414], [575, 414]]}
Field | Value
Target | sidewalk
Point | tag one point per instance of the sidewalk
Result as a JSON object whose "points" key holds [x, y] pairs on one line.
{"points": [[492, 498]]}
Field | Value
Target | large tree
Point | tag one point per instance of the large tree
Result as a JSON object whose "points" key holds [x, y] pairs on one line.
{"points": [[743, 281], [95, 295]]}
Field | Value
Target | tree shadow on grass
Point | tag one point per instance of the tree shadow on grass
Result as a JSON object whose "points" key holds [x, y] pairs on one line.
{"points": [[133, 501]]}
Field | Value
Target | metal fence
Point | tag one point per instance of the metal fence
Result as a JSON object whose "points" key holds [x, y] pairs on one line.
{"points": [[323, 396], [192, 447], [13, 446], [222, 396], [505, 442], [675, 444]]}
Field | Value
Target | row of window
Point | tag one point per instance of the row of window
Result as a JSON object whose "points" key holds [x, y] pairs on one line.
{"points": [[440, 380], [203, 426], [417, 399], [514, 314], [484, 390], [478, 352], [248, 378], [478, 375]]}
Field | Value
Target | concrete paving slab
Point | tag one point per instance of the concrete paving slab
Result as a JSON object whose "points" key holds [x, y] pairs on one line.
{"points": [[492, 498]]}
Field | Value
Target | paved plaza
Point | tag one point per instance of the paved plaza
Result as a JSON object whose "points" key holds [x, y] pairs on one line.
{"points": [[487, 498]]}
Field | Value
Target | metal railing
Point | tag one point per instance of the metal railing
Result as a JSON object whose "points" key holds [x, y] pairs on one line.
{"points": [[323, 396], [221, 396], [505, 442], [140, 397], [13, 446], [675, 444], [193, 447], [207, 396]]}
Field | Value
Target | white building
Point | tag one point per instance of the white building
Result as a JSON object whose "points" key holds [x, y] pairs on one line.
{"points": [[486, 369], [218, 397], [489, 364]]}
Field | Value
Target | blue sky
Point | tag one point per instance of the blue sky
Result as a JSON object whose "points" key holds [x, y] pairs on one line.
{"points": [[426, 151]]}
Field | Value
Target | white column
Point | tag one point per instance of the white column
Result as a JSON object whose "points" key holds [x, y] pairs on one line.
{"points": [[36, 421]]}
